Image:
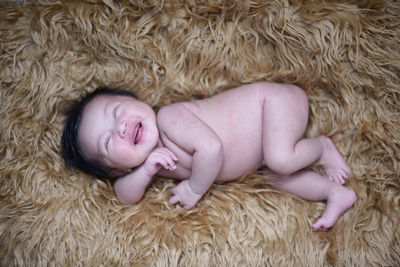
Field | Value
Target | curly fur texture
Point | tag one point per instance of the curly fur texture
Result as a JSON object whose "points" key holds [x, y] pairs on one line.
{"points": [[345, 54]]}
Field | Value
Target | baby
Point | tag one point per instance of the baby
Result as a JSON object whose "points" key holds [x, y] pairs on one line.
{"points": [[110, 133]]}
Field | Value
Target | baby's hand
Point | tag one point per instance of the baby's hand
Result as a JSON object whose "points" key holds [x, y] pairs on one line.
{"points": [[184, 194], [159, 157]]}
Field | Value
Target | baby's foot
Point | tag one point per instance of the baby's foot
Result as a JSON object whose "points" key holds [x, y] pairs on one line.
{"points": [[333, 163], [339, 200]]}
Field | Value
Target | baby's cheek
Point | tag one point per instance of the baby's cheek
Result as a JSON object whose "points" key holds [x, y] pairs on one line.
{"points": [[130, 157], [118, 152]]}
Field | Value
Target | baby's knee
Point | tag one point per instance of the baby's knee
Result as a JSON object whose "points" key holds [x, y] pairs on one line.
{"points": [[279, 164], [299, 95]]}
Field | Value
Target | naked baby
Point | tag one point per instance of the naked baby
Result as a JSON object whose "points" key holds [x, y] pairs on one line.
{"points": [[221, 138]]}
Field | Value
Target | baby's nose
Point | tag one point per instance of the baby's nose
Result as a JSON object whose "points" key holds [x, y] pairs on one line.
{"points": [[122, 128]]}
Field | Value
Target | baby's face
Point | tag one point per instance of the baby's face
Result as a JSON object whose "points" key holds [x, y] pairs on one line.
{"points": [[119, 131]]}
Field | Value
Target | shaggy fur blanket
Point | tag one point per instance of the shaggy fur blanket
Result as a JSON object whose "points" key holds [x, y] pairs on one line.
{"points": [[345, 54]]}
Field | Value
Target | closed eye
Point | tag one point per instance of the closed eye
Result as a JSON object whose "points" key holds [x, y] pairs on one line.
{"points": [[116, 111], [107, 142]]}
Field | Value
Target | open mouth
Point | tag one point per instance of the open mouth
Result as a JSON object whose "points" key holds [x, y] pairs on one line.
{"points": [[138, 134]]}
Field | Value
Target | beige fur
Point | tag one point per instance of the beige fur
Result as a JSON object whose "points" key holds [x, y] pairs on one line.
{"points": [[345, 55]]}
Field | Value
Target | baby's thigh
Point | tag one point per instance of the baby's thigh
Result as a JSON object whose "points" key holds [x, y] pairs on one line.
{"points": [[285, 115]]}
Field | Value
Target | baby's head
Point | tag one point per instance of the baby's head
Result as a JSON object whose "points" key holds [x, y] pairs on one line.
{"points": [[109, 132]]}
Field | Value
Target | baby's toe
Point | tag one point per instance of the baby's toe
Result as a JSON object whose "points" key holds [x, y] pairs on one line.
{"points": [[318, 225], [348, 172], [344, 173], [332, 177], [340, 179]]}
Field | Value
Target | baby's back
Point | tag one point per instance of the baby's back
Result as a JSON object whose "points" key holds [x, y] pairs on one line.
{"points": [[236, 117]]}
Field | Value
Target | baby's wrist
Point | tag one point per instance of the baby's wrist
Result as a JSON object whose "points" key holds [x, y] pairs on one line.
{"points": [[190, 189], [148, 170]]}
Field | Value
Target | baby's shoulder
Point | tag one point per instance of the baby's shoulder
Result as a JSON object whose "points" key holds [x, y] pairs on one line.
{"points": [[172, 113]]}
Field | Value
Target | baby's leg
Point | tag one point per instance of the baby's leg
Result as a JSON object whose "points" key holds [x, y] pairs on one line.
{"points": [[312, 186], [285, 117], [334, 164]]}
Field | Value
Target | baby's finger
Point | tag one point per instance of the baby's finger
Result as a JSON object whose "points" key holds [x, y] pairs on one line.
{"points": [[175, 158], [164, 159], [169, 153], [171, 164], [165, 163], [173, 200], [162, 162]]}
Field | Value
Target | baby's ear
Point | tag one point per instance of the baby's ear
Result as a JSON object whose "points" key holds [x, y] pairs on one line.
{"points": [[116, 173]]}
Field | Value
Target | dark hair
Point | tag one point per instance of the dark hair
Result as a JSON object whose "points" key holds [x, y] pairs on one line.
{"points": [[71, 149]]}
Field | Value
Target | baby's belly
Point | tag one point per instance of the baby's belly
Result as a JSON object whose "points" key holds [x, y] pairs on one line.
{"points": [[241, 158], [234, 165], [242, 148]]}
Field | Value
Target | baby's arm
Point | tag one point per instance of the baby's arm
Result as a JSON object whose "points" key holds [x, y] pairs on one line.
{"points": [[180, 126], [131, 187]]}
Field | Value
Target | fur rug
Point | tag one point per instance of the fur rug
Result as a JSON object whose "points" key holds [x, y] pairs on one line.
{"points": [[345, 54]]}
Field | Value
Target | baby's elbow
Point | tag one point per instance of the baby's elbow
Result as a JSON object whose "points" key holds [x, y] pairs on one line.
{"points": [[212, 143], [213, 147], [219, 151], [128, 200], [125, 195]]}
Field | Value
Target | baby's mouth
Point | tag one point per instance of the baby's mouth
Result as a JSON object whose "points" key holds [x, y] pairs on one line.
{"points": [[138, 134]]}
